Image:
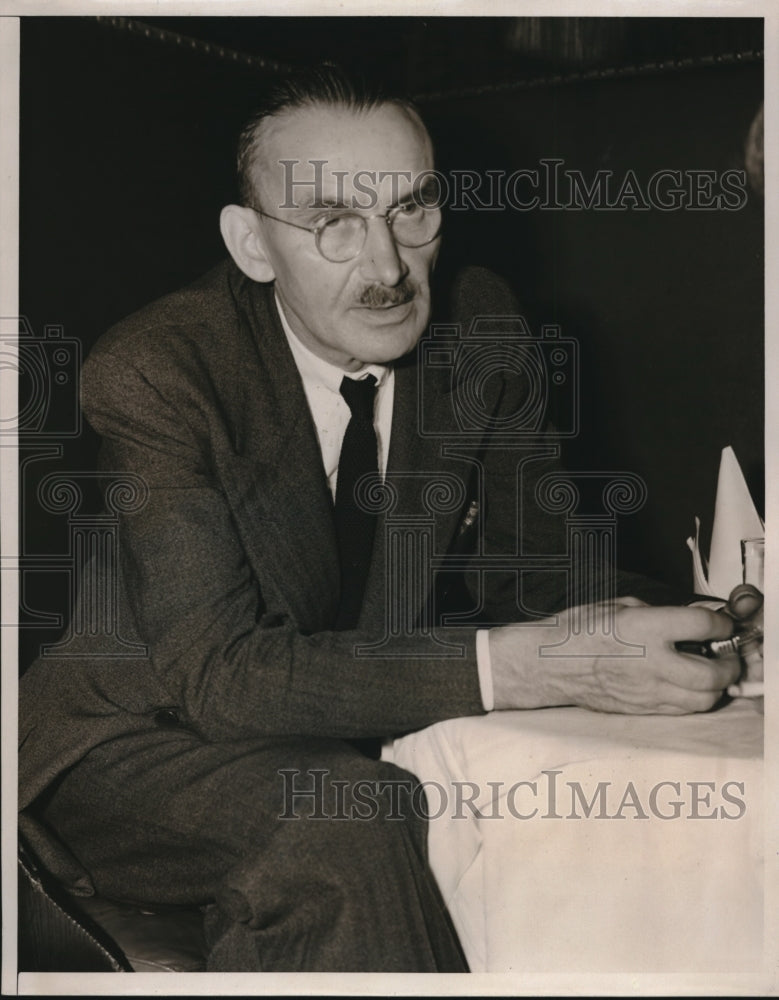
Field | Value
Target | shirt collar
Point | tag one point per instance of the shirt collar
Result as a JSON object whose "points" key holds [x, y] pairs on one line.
{"points": [[315, 369]]}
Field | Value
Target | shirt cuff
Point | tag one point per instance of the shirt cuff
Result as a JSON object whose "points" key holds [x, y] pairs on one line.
{"points": [[484, 664]]}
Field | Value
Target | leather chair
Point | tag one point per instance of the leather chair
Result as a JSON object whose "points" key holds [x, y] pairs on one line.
{"points": [[59, 932]]}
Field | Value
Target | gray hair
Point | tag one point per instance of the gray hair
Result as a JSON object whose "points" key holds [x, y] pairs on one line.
{"points": [[326, 85]]}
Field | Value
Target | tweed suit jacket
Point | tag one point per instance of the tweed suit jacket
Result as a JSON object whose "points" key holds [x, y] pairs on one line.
{"points": [[228, 580]]}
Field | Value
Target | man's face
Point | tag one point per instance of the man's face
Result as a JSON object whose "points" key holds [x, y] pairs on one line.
{"points": [[374, 307]]}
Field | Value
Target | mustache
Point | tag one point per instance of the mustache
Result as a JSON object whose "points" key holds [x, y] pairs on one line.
{"points": [[376, 296]]}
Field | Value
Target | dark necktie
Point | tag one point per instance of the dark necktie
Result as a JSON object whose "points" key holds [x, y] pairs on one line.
{"points": [[355, 526]]}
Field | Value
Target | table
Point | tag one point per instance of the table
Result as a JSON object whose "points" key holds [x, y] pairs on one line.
{"points": [[603, 876]]}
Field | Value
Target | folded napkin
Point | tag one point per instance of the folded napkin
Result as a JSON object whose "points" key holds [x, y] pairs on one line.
{"points": [[735, 518]]}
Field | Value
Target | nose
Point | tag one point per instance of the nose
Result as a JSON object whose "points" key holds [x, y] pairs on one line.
{"points": [[380, 258]]}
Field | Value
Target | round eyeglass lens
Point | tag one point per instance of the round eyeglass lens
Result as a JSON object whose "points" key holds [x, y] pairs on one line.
{"points": [[342, 239], [414, 225]]}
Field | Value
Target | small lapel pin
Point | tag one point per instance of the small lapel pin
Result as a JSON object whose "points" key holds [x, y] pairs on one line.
{"points": [[470, 517]]}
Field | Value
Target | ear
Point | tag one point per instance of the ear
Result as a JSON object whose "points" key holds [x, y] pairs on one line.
{"points": [[240, 229]]}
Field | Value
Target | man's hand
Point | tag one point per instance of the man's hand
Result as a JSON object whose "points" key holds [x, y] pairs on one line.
{"points": [[591, 672], [745, 604], [752, 653]]}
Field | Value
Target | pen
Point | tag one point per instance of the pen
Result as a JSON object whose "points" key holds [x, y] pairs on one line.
{"points": [[715, 649]]}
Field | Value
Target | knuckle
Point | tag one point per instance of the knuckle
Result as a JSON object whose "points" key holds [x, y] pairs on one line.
{"points": [[722, 622], [727, 671], [708, 700]]}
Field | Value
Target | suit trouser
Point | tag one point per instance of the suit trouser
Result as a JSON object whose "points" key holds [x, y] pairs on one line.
{"points": [[310, 855]]}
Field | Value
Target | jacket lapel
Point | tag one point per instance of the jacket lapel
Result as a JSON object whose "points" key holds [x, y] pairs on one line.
{"points": [[277, 487], [276, 482], [431, 488]]}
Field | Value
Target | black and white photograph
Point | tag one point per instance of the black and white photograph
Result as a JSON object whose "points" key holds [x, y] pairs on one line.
{"points": [[384, 493]]}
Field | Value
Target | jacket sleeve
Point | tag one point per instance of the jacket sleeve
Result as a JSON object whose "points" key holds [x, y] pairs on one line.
{"points": [[221, 650]]}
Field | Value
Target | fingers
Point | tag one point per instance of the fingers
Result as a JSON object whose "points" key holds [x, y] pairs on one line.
{"points": [[678, 683], [638, 688], [618, 602], [694, 673], [679, 701], [744, 602], [676, 623], [631, 602], [752, 655], [660, 681]]}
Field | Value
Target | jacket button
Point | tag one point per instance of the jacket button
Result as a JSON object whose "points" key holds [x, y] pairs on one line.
{"points": [[166, 718]]}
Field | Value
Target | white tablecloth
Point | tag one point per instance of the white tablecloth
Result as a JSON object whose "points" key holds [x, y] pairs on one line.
{"points": [[623, 889]]}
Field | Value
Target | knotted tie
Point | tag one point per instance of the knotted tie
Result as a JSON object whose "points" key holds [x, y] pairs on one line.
{"points": [[355, 526]]}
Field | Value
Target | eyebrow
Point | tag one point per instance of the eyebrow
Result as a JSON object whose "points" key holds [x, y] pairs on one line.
{"points": [[411, 196], [429, 184], [312, 203]]}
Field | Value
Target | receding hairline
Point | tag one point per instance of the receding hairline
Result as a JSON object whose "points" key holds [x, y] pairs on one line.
{"points": [[264, 129]]}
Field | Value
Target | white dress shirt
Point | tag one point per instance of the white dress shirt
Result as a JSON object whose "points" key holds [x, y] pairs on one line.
{"points": [[331, 414]]}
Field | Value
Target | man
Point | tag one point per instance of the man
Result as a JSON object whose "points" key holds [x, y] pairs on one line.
{"points": [[256, 584]]}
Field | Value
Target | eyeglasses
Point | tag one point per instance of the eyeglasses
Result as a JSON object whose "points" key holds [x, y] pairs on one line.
{"points": [[341, 237]]}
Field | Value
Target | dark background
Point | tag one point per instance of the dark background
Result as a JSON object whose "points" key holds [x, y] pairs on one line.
{"points": [[127, 138]]}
